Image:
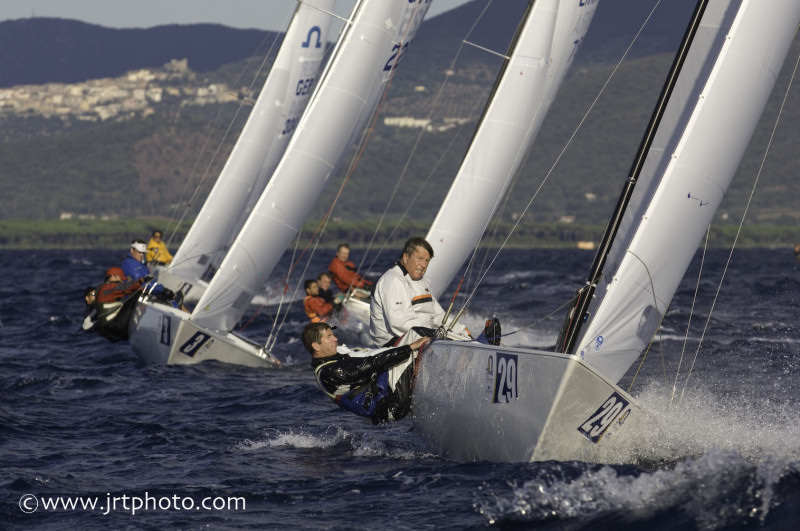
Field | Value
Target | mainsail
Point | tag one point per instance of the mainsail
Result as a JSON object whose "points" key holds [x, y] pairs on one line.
{"points": [[548, 38], [261, 143], [354, 79], [743, 44]]}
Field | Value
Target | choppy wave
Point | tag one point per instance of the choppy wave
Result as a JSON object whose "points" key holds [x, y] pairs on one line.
{"points": [[80, 416]]}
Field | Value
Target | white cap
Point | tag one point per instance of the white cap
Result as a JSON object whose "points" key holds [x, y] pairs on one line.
{"points": [[142, 248]]}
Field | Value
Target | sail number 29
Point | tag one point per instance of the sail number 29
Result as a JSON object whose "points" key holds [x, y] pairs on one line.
{"points": [[505, 378], [615, 408]]}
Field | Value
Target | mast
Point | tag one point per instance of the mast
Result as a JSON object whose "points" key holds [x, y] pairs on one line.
{"points": [[577, 314]]}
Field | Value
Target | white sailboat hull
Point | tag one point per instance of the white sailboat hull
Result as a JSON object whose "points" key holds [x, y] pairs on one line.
{"points": [[163, 335], [358, 310], [479, 402]]}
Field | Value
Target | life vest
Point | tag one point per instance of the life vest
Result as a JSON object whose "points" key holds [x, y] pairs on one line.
{"points": [[313, 316], [364, 400], [112, 318], [107, 311]]}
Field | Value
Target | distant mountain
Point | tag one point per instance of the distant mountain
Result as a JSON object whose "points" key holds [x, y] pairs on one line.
{"points": [[604, 42], [45, 50], [150, 165], [52, 50]]}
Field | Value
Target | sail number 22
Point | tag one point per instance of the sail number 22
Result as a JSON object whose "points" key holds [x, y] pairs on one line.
{"points": [[412, 18]]}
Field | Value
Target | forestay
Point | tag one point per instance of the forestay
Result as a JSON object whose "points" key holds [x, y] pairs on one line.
{"points": [[357, 74], [540, 56], [261, 143], [694, 159]]}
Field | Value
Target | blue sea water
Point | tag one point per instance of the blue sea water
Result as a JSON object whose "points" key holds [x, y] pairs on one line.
{"points": [[82, 419]]}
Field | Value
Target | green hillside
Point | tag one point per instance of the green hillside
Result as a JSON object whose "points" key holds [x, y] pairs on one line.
{"points": [[162, 166]]}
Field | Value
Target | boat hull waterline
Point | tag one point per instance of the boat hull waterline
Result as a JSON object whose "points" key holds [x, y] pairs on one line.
{"points": [[517, 405], [164, 336]]}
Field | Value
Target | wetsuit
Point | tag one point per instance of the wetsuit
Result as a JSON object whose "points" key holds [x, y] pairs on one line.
{"points": [[360, 383], [327, 295], [113, 305]]}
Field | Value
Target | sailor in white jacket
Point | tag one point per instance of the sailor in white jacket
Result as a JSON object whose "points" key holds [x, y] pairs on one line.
{"points": [[402, 299]]}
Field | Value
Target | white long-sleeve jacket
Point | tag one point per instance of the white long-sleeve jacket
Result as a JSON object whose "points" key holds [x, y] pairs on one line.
{"points": [[399, 304]]}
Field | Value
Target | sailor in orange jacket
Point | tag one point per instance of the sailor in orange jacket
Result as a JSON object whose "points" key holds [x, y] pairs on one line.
{"points": [[344, 271], [315, 306]]}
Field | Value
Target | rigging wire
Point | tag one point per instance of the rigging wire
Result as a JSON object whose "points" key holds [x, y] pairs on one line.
{"points": [[390, 237], [277, 326], [362, 144], [433, 108], [561, 153], [171, 230], [691, 315], [739, 230]]}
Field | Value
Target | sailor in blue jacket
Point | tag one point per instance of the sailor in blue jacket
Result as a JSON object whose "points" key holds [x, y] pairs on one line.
{"points": [[134, 267], [375, 384]]}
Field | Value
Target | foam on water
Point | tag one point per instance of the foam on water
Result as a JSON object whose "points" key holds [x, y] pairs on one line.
{"points": [[294, 439], [702, 421], [715, 490]]}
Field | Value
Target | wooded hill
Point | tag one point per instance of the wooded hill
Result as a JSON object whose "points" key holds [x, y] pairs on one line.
{"points": [[163, 165]]}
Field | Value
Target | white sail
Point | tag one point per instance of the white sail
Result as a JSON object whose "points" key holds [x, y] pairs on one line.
{"points": [[356, 76], [540, 58], [262, 142], [476, 402], [691, 188]]}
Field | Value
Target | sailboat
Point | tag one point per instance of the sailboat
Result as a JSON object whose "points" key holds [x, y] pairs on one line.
{"points": [[540, 54], [479, 402], [371, 45], [257, 151]]}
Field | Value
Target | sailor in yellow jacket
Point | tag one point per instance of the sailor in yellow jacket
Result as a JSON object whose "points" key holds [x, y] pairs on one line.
{"points": [[157, 253]]}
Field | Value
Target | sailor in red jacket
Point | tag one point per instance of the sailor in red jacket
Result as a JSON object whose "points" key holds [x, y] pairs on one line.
{"points": [[344, 271], [114, 303]]}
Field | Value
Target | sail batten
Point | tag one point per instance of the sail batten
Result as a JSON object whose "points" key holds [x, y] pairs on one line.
{"points": [[649, 265]]}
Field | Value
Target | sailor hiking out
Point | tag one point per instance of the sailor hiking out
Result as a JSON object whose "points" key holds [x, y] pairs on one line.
{"points": [[371, 383]]}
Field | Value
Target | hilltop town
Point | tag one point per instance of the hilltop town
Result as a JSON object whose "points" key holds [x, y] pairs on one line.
{"points": [[137, 94], [133, 94]]}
